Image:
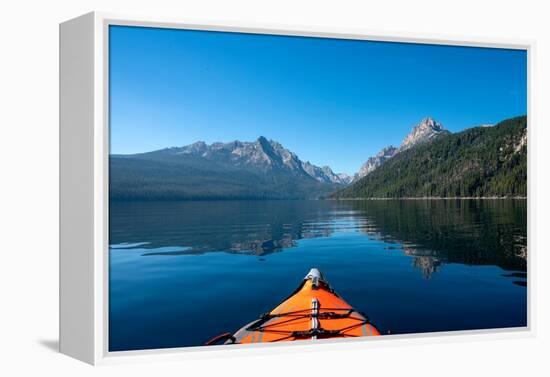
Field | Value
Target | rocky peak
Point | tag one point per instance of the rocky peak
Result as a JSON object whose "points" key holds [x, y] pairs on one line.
{"points": [[197, 148], [267, 155], [345, 178], [374, 162], [389, 151], [322, 174], [422, 132], [327, 170], [264, 143]]}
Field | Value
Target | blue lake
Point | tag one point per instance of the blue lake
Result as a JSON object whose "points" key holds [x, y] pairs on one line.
{"points": [[184, 272]]}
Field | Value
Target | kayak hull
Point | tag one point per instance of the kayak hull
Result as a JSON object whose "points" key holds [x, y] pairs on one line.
{"points": [[313, 311]]}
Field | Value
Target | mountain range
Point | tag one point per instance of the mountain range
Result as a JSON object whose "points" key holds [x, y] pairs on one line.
{"points": [[262, 169], [431, 161]]}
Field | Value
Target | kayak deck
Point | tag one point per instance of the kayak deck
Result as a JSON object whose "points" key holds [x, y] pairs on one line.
{"points": [[313, 311]]}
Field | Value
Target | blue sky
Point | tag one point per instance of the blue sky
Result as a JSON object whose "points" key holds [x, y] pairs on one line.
{"points": [[332, 102]]}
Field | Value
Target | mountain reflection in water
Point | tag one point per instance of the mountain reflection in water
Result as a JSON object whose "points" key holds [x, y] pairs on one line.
{"points": [[412, 266], [432, 232]]}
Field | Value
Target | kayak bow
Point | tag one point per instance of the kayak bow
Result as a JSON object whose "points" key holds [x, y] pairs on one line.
{"points": [[313, 311]]}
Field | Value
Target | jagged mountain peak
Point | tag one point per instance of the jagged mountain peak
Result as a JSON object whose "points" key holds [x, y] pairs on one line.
{"points": [[431, 123], [438, 168], [423, 131], [262, 141], [387, 151], [264, 154], [198, 147], [420, 133], [374, 162], [324, 174]]}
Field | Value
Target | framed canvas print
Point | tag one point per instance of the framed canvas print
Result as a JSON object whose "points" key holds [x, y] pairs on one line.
{"points": [[225, 187]]}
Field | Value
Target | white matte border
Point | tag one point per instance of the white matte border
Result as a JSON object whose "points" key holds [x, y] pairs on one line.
{"points": [[101, 199]]}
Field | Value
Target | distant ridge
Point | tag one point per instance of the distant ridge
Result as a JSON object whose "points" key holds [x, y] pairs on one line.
{"points": [[261, 169], [263, 154]]}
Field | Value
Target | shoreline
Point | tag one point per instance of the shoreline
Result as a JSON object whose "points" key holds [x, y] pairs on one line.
{"points": [[318, 199], [439, 198]]}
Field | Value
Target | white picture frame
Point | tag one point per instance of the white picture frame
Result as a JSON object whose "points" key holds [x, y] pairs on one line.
{"points": [[84, 147]]}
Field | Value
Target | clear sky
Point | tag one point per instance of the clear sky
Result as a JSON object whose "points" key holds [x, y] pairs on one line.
{"points": [[332, 102]]}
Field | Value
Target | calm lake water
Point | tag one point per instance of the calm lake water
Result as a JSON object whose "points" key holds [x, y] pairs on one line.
{"points": [[184, 272]]}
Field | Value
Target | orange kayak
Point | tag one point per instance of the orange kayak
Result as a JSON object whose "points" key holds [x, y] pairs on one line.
{"points": [[313, 311]]}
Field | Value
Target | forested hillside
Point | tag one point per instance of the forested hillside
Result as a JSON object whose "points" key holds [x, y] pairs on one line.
{"points": [[477, 162]]}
